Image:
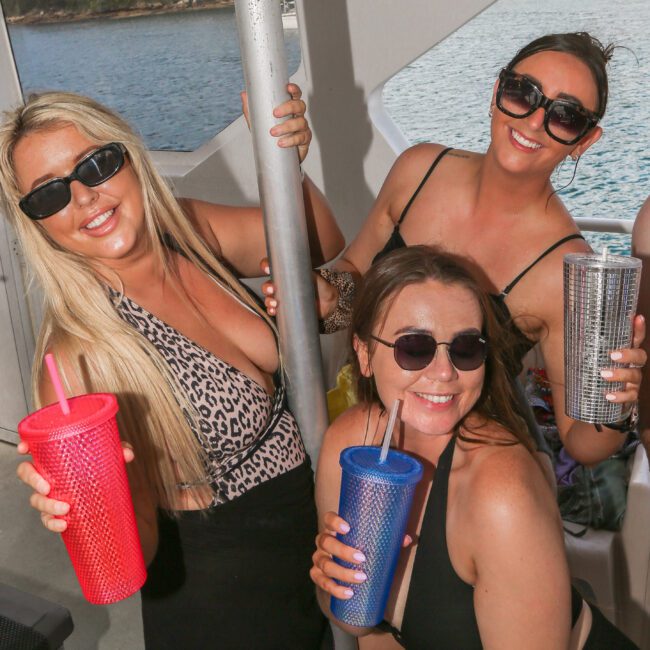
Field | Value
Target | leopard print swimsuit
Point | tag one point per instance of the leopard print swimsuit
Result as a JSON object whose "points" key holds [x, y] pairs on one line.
{"points": [[249, 436]]}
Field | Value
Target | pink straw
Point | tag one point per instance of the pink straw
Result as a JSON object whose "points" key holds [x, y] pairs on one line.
{"points": [[56, 382]]}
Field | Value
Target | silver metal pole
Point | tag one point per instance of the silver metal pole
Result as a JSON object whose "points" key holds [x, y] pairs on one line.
{"points": [[261, 41]]}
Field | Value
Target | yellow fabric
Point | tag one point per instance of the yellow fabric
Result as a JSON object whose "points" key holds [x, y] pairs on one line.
{"points": [[343, 395]]}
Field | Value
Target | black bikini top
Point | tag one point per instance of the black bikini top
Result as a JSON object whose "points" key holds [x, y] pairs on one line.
{"points": [[521, 344]]}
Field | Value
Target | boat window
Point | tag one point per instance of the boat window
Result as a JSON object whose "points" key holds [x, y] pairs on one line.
{"points": [[174, 72], [444, 97]]}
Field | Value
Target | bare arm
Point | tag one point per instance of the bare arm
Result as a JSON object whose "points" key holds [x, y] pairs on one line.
{"points": [[641, 249], [401, 182], [237, 234], [522, 586]]}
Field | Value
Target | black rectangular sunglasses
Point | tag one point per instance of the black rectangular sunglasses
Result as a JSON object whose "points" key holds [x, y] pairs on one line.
{"points": [[564, 120], [92, 170], [416, 351]]}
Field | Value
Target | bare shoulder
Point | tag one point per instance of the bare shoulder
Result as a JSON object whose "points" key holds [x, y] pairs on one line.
{"points": [[204, 216], [421, 156], [507, 487]]}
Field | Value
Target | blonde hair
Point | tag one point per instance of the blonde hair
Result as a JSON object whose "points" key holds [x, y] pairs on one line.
{"points": [[101, 351]]}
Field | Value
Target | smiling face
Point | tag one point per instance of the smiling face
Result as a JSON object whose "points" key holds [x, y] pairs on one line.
{"points": [[523, 144], [105, 222], [435, 398]]}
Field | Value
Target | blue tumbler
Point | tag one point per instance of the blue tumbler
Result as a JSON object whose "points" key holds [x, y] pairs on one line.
{"points": [[375, 500]]}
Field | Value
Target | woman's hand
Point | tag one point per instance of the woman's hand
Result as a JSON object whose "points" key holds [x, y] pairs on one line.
{"points": [[324, 570], [326, 295], [51, 510], [293, 132], [634, 358]]}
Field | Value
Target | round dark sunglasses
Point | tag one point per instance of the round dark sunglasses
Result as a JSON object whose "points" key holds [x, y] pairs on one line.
{"points": [[416, 351], [564, 120], [94, 169]]}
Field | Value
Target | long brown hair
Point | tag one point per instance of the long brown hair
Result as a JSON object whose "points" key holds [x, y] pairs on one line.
{"points": [[416, 265]]}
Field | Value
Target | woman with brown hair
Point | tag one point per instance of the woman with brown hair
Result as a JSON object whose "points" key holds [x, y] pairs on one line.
{"points": [[499, 212], [488, 568]]}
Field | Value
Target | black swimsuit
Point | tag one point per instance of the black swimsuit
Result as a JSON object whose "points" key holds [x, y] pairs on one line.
{"points": [[439, 611], [520, 344]]}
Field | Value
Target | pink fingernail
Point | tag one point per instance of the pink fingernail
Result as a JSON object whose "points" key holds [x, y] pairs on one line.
{"points": [[606, 374], [616, 356], [359, 557], [360, 576], [610, 397], [348, 593], [344, 528]]}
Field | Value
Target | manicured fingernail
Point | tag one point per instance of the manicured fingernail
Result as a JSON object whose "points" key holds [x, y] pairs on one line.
{"points": [[61, 508], [273, 303], [267, 270], [615, 356], [348, 593], [606, 374], [610, 397], [360, 576], [344, 528], [42, 486], [359, 557]]}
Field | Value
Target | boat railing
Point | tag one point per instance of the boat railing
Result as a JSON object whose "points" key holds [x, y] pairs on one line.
{"points": [[614, 226]]}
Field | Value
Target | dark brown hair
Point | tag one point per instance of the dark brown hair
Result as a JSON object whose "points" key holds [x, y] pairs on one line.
{"points": [[584, 47], [377, 292]]}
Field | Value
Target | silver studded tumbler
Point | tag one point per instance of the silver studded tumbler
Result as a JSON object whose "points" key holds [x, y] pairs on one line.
{"points": [[375, 500], [600, 297]]}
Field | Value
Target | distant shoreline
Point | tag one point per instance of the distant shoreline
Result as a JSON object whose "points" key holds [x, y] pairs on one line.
{"points": [[43, 17]]}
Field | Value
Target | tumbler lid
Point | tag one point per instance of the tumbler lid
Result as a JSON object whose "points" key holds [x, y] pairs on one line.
{"points": [[596, 261], [398, 469], [86, 412]]}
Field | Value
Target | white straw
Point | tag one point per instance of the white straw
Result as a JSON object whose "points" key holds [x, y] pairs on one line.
{"points": [[388, 434]]}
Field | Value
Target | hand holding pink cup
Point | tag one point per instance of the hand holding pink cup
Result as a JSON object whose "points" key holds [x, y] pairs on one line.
{"points": [[79, 453]]}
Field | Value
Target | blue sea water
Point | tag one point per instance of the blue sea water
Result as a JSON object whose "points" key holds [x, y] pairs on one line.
{"points": [[159, 71]]}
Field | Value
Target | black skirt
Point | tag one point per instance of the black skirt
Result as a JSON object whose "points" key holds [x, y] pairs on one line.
{"points": [[236, 576]]}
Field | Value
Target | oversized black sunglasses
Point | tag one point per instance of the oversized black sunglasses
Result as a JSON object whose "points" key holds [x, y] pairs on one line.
{"points": [[94, 169], [564, 120], [416, 351]]}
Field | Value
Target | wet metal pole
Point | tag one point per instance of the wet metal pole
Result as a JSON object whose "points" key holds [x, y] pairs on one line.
{"points": [[261, 40]]}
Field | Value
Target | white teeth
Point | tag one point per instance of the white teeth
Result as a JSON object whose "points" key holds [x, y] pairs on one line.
{"points": [[436, 399], [98, 221], [523, 141]]}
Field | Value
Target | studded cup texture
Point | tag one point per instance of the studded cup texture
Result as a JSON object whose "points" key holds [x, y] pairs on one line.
{"points": [[375, 501], [600, 298], [81, 457]]}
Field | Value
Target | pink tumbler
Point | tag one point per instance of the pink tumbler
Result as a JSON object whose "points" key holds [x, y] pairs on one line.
{"points": [[80, 455]]}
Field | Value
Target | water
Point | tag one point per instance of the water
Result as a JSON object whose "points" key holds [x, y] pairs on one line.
{"points": [[159, 72], [444, 96], [176, 77]]}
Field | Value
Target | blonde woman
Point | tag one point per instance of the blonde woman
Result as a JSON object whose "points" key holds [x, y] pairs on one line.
{"points": [[142, 299]]}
